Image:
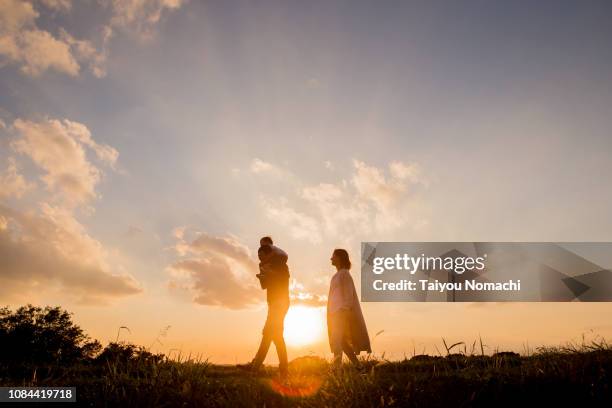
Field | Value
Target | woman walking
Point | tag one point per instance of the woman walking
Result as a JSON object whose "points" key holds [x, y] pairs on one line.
{"points": [[345, 324]]}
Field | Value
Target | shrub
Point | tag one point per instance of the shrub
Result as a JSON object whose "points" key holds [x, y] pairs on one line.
{"points": [[33, 335]]}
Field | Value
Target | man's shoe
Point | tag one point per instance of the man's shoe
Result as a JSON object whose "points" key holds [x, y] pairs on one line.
{"points": [[249, 367]]}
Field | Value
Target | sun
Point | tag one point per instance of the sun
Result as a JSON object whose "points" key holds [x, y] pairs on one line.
{"points": [[304, 325]]}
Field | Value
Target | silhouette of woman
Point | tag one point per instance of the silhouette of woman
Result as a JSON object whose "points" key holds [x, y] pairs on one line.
{"points": [[345, 324]]}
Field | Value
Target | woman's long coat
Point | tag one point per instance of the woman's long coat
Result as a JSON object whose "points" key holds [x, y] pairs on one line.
{"points": [[353, 322]]}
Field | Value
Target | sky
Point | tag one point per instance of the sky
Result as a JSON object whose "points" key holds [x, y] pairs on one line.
{"points": [[147, 145]]}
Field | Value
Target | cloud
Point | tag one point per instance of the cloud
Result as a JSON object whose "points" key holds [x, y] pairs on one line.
{"points": [[86, 52], [407, 172], [140, 16], [45, 248], [373, 200], [214, 283], [36, 50], [58, 148], [15, 14], [337, 209], [372, 185], [260, 167], [220, 271], [228, 247], [50, 250], [58, 5], [387, 194], [300, 225], [300, 296], [40, 51], [216, 271], [308, 299], [12, 183]]}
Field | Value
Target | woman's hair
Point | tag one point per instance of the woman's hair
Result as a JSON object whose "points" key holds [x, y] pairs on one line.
{"points": [[343, 257]]}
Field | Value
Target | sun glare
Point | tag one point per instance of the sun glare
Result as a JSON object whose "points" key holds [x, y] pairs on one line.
{"points": [[304, 325]]}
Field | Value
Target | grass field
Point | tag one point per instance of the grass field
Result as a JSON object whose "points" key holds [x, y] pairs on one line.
{"points": [[129, 376], [43, 347]]}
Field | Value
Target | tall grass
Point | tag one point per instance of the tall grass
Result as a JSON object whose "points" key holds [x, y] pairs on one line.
{"points": [[576, 374]]}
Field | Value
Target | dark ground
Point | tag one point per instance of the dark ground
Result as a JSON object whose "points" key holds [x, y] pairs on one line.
{"points": [[548, 378]]}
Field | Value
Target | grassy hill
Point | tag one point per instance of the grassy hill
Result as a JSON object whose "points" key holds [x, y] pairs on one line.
{"points": [[139, 379], [42, 347]]}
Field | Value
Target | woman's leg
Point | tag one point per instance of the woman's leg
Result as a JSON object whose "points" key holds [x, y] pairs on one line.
{"points": [[335, 325], [348, 350], [338, 359]]}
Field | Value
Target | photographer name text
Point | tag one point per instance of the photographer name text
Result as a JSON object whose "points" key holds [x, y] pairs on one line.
{"points": [[437, 286]]}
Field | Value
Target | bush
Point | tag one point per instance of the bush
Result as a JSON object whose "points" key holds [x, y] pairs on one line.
{"points": [[33, 335]]}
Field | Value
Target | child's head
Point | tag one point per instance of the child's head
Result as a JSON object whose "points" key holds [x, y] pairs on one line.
{"points": [[263, 253], [266, 241]]}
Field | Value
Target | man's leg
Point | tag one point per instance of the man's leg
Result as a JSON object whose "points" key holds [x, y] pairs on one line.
{"points": [[279, 339], [281, 350], [266, 339]]}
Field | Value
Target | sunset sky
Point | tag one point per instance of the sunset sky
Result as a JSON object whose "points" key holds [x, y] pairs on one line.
{"points": [[145, 146]]}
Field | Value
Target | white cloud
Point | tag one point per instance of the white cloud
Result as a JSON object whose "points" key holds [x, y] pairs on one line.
{"points": [[260, 167], [410, 172], [58, 5], [220, 271], [372, 185], [50, 249], [15, 14], [12, 183], [140, 16], [79, 131], [389, 195], [45, 248], [85, 51], [212, 282], [35, 50], [339, 211], [205, 244], [299, 225], [300, 296], [373, 201], [40, 51], [58, 148], [217, 271]]}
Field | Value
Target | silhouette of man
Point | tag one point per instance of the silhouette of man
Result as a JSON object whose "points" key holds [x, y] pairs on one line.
{"points": [[274, 278]]}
